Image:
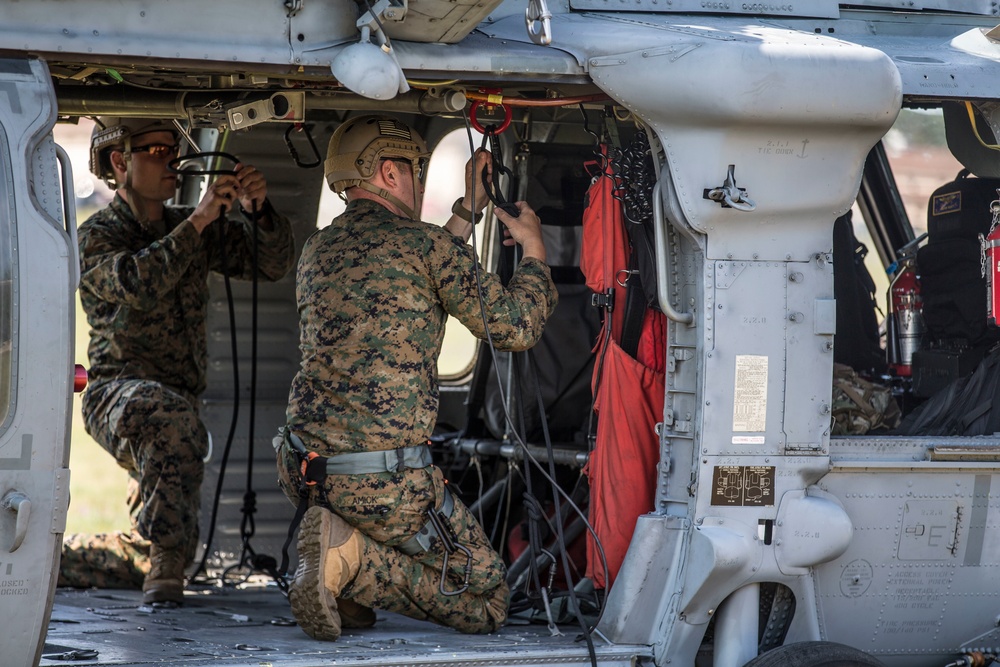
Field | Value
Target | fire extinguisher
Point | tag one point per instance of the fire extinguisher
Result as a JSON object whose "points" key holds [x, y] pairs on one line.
{"points": [[905, 324], [991, 271]]}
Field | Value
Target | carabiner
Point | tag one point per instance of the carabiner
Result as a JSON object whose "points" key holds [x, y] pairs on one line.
{"points": [[468, 571], [295, 153], [306, 460], [449, 545]]}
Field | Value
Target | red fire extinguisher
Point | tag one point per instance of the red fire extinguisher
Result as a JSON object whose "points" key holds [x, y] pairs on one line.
{"points": [[991, 270], [905, 324]]}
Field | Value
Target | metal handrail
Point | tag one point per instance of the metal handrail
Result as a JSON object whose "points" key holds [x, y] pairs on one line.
{"points": [[663, 285]]}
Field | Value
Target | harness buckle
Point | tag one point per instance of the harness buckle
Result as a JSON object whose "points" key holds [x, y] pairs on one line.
{"points": [[606, 300], [304, 468]]}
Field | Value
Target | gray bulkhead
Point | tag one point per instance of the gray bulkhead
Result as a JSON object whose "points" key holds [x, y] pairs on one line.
{"points": [[878, 539], [39, 277], [747, 406]]}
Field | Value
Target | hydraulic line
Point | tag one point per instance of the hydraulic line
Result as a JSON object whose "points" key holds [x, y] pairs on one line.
{"points": [[546, 102]]}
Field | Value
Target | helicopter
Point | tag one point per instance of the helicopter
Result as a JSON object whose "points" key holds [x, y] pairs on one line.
{"points": [[730, 136]]}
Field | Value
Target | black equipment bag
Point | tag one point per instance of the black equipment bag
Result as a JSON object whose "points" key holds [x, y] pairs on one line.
{"points": [[968, 406], [951, 282], [856, 343]]}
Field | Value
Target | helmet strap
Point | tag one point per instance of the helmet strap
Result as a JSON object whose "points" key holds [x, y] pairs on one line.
{"points": [[386, 195], [418, 196]]}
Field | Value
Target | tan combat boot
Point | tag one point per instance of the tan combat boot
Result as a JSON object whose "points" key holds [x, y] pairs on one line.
{"points": [[329, 559], [165, 581], [353, 614]]}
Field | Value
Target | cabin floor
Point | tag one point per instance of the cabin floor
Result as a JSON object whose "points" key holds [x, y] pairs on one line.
{"points": [[252, 625]]}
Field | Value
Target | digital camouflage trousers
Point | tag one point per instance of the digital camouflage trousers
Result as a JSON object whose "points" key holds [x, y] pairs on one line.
{"points": [[388, 508], [156, 435]]}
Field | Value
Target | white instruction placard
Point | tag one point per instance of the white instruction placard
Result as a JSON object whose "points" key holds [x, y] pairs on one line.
{"points": [[750, 394]]}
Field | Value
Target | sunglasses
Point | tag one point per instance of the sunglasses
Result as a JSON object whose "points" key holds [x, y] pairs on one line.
{"points": [[159, 151]]}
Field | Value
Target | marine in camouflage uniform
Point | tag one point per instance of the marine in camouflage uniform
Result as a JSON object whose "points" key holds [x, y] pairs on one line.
{"points": [[144, 289], [374, 291]]}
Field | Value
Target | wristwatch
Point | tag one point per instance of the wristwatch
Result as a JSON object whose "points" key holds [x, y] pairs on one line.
{"points": [[464, 213]]}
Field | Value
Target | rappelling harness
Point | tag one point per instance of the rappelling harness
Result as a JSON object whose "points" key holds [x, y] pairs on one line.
{"points": [[313, 470]]}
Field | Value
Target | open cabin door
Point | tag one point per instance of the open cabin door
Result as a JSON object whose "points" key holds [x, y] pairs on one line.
{"points": [[39, 272]]}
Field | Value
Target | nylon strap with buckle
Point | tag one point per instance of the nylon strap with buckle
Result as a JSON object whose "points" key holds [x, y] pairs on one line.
{"points": [[314, 469], [355, 463], [425, 537]]}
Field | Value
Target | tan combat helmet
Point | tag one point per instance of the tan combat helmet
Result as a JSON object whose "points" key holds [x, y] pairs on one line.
{"points": [[360, 143], [114, 132]]}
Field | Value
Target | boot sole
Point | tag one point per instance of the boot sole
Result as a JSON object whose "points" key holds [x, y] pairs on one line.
{"points": [[307, 594], [163, 591]]}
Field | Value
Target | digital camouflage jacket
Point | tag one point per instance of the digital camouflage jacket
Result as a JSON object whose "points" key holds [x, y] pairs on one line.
{"points": [[374, 291], [145, 290]]}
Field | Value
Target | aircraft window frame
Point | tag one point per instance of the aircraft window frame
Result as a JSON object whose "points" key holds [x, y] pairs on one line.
{"points": [[445, 181], [8, 301], [919, 161]]}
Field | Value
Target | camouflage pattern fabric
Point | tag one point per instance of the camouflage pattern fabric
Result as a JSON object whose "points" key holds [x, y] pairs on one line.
{"points": [[105, 560], [145, 292], [374, 291], [388, 508], [145, 289], [156, 435], [860, 406]]}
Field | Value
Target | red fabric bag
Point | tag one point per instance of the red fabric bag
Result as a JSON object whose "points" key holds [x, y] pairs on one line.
{"points": [[622, 467], [605, 246], [628, 395]]}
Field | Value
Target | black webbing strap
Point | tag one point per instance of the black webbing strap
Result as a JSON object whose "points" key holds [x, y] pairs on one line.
{"points": [[493, 189], [635, 312], [311, 474], [300, 512]]}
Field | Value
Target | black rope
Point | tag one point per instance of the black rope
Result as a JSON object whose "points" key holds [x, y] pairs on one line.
{"points": [[248, 557], [248, 527], [532, 506], [557, 511], [493, 189], [220, 236], [174, 165], [634, 179]]}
